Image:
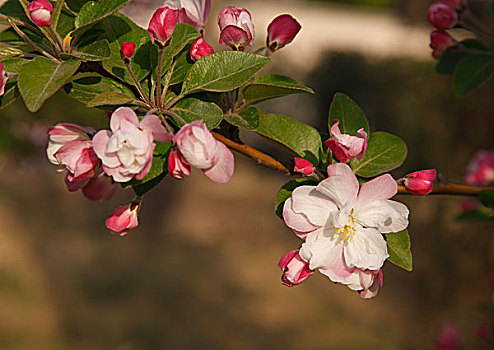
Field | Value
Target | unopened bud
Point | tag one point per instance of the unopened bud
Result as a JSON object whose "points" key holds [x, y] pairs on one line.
{"points": [[40, 12], [420, 182], [127, 49], [199, 49]]}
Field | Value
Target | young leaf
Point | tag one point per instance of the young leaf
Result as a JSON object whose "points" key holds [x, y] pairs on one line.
{"points": [[449, 60], [351, 117], [182, 35], [86, 89], [110, 98], [248, 119], [472, 71], [286, 190], [399, 249], [487, 198], [190, 109], [95, 51], [385, 153], [270, 86], [41, 78], [222, 71], [12, 8], [95, 11], [7, 52]]}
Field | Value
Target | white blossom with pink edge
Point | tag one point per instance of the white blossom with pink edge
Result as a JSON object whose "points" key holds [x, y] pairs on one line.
{"points": [[201, 150], [126, 151], [195, 12], [62, 133], [236, 27], [343, 226], [344, 146]]}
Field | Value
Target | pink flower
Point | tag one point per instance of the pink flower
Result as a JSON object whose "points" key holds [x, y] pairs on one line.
{"points": [[236, 27], [100, 188], [162, 24], [295, 270], [194, 12], [127, 49], [420, 182], [199, 49], [442, 15], [3, 79], [449, 338], [123, 219], [281, 31], [343, 226], [303, 166], [480, 170], [62, 133], [79, 159], [127, 150], [440, 42], [177, 165], [346, 147], [40, 12], [371, 280], [201, 150]]}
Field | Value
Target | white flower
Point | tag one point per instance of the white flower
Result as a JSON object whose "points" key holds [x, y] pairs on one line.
{"points": [[342, 226]]}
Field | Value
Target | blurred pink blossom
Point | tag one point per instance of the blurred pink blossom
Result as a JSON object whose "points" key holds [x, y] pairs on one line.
{"points": [[480, 170], [442, 15], [449, 338]]}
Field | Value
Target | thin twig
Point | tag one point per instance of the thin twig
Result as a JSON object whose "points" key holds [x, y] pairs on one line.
{"points": [[452, 189], [160, 59], [137, 85]]}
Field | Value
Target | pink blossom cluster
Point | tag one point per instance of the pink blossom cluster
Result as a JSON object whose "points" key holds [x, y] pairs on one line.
{"points": [[480, 171]]}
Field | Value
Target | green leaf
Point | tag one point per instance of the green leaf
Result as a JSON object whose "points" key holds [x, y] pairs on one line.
{"points": [[487, 198], [14, 9], [476, 215], [157, 172], [222, 71], [248, 119], [385, 153], [41, 78], [351, 117], [448, 62], [270, 86], [301, 139], [110, 98], [95, 51], [85, 90], [472, 71], [286, 190], [491, 8], [399, 249], [182, 35], [7, 52], [95, 11], [182, 66], [10, 94], [13, 65], [76, 5], [190, 109]]}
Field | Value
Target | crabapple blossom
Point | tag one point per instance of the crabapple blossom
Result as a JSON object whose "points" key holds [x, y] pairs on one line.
{"points": [[346, 147], [201, 150], [442, 15], [62, 133], [126, 151], [177, 165], [162, 24], [194, 12], [100, 188], [3, 78], [123, 219], [199, 49], [343, 226], [281, 31], [127, 49], [420, 182], [236, 27], [303, 166], [79, 159], [449, 338], [40, 12], [295, 270], [480, 170]]}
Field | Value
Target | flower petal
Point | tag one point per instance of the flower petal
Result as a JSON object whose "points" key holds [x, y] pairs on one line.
{"points": [[382, 187], [313, 204], [383, 215], [222, 171], [296, 221], [341, 185], [152, 123], [367, 250], [120, 114]]}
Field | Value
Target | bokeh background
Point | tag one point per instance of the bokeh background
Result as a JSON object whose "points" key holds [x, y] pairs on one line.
{"points": [[200, 271]]}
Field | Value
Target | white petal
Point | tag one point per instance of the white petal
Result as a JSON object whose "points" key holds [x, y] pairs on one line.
{"points": [[296, 221], [383, 215], [367, 250], [316, 206], [382, 187], [342, 189]]}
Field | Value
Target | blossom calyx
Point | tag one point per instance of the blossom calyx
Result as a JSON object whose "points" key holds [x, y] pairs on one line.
{"points": [[303, 166], [199, 49], [236, 28], [281, 31], [3, 78], [40, 12], [346, 147], [127, 49], [162, 24], [295, 270], [123, 219], [442, 15], [420, 182]]}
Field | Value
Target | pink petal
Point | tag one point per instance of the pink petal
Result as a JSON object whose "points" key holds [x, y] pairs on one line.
{"points": [[100, 143], [222, 171], [121, 114], [296, 221], [367, 251], [233, 36], [342, 189], [382, 187], [383, 215], [152, 123]]}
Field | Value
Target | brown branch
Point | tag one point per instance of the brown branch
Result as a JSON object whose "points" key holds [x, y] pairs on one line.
{"points": [[252, 153], [452, 189]]}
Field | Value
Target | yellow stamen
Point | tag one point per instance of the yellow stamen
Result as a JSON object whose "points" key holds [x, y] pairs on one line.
{"points": [[348, 231]]}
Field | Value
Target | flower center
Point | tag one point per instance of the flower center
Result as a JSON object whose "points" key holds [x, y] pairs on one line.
{"points": [[348, 231]]}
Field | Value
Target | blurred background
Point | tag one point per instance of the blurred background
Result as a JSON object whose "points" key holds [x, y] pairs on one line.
{"points": [[200, 271]]}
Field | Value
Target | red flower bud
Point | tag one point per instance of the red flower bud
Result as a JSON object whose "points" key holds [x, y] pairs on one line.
{"points": [[123, 219], [199, 49], [162, 24], [40, 12], [127, 49], [440, 42], [303, 166], [442, 15], [420, 182], [295, 270], [281, 31]]}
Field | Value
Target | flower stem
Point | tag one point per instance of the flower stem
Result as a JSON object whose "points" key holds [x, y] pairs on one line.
{"points": [[137, 85], [158, 91]]}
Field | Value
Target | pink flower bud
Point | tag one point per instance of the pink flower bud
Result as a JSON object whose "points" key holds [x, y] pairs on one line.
{"points": [[420, 182], [79, 159], [281, 31], [236, 27], [346, 147], [3, 78], [127, 49], [201, 150], [199, 49], [442, 15], [40, 12], [123, 219], [303, 166], [162, 24], [449, 338], [295, 270], [177, 165], [372, 280], [62, 133], [100, 188], [480, 170], [440, 42]]}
